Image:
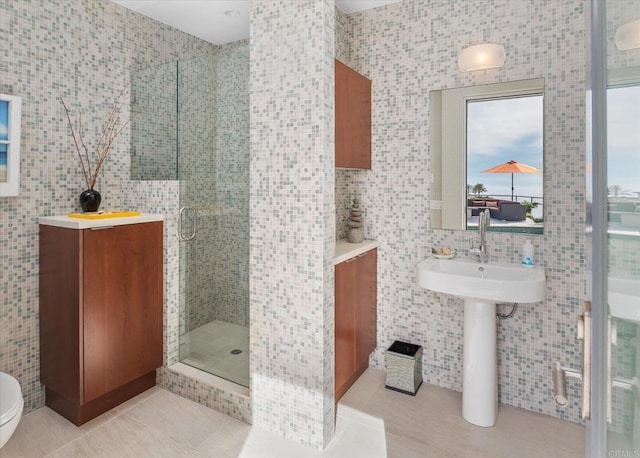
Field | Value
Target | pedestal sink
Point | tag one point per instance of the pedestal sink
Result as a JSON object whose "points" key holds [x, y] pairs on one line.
{"points": [[482, 286], [624, 298]]}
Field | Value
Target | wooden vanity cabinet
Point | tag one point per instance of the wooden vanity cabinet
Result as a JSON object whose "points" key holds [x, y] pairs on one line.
{"points": [[100, 315], [355, 318], [353, 118]]}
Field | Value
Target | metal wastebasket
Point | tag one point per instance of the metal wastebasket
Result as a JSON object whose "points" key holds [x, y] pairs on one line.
{"points": [[404, 367]]}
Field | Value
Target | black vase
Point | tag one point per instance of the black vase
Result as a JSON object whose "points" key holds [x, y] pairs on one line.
{"points": [[90, 200]]}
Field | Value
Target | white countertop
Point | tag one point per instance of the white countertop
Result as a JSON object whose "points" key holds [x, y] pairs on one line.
{"points": [[346, 250], [79, 223]]}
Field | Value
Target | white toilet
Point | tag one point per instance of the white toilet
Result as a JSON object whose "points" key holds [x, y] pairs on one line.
{"points": [[11, 405]]}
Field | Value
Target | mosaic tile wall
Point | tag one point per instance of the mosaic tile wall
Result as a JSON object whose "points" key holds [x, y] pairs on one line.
{"points": [[327, 168], [88, 60], [231, 261], [232, 404], [292, 218], [409, 49], [344, 188], [196, 171], [153, 128], [342, 38], [620, 12]]}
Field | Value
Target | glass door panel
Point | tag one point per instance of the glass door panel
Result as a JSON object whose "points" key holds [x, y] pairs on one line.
{"points": [[213, 169], [623, 178], [613, 229]]}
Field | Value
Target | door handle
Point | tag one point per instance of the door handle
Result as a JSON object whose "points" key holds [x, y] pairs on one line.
{"points": [[612, 339], [194, 218], [584, 331]]}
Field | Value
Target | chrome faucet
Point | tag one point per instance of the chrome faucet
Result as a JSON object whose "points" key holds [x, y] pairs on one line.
{"points": [[484, 220]]}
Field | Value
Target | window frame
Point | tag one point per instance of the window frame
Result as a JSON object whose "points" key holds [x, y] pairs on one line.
{"points": [[454, 148], [11, 187]]}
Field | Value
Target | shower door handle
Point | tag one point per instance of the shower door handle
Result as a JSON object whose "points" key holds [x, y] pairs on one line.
{"points": [[584, 334], [612, 339], [194, 218]]}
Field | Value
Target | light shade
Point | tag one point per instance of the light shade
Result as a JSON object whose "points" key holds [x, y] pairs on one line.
{"points": [[628, 36], [481, 57]]}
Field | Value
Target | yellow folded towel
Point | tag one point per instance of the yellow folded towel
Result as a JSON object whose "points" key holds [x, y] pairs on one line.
{"points": [[104, 214]]}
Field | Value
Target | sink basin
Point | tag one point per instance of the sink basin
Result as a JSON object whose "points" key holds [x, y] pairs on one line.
{"points": [[492, 282], [624, 298]]}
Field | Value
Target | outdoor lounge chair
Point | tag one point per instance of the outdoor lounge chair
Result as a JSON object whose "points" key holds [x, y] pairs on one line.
{"points": [[509, 211]]}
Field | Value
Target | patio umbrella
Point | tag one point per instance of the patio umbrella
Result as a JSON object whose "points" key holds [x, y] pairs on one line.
{"points": [[512, 167]]}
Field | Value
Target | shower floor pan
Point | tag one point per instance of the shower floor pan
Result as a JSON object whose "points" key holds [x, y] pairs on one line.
{"points": [[219, 348]]}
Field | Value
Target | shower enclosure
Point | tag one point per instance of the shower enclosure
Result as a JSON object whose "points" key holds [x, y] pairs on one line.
{"points": [[613, 231], [193, 125]]}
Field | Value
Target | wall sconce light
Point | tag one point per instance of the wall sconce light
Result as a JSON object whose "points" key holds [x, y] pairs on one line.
{"points": [[481, 57], [628, 36]]}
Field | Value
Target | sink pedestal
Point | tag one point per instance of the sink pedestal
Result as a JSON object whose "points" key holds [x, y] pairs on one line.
{"points": [[480, 365]]}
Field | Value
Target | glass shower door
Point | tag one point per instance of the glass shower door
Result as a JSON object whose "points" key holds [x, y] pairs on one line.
{"points": [[614, 202], [213, 170], [191, 123], [623, 242]]}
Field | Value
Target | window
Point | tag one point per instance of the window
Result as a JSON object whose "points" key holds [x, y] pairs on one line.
{"points": [[504, 161], [473, 130], [623, 152], [9, 145]]}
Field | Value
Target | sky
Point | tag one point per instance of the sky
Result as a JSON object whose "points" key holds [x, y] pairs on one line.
{"points": [[4, 119], [623, 139], [511, 129], [4, 130], [503, 130]]}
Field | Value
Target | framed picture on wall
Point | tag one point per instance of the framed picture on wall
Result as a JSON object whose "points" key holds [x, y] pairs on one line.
{"points": [[10, 110]]}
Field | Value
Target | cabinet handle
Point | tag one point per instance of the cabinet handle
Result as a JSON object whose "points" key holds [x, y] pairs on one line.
{"points": [[352, 259], [101, 228]]}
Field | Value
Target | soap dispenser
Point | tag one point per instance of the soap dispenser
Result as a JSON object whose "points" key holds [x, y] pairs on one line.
{"points": [[527, 254]]}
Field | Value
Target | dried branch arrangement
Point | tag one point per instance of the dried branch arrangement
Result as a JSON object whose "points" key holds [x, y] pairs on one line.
{"points": [[91, 162]]}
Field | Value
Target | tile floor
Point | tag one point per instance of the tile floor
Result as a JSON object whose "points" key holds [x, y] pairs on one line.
{"points": [[209, 348], [372, 422], [431, 425]]}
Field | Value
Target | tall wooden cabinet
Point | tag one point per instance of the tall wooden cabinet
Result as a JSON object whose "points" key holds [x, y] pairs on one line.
{"points": [[353, 118], [355, 318], [100, 312]]}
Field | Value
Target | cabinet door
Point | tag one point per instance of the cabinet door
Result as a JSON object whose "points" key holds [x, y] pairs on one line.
{"points": [[345, 323], [353, 118], [60, 286], [360, 120], [343, 136], [122, 305], [366, 306]]}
